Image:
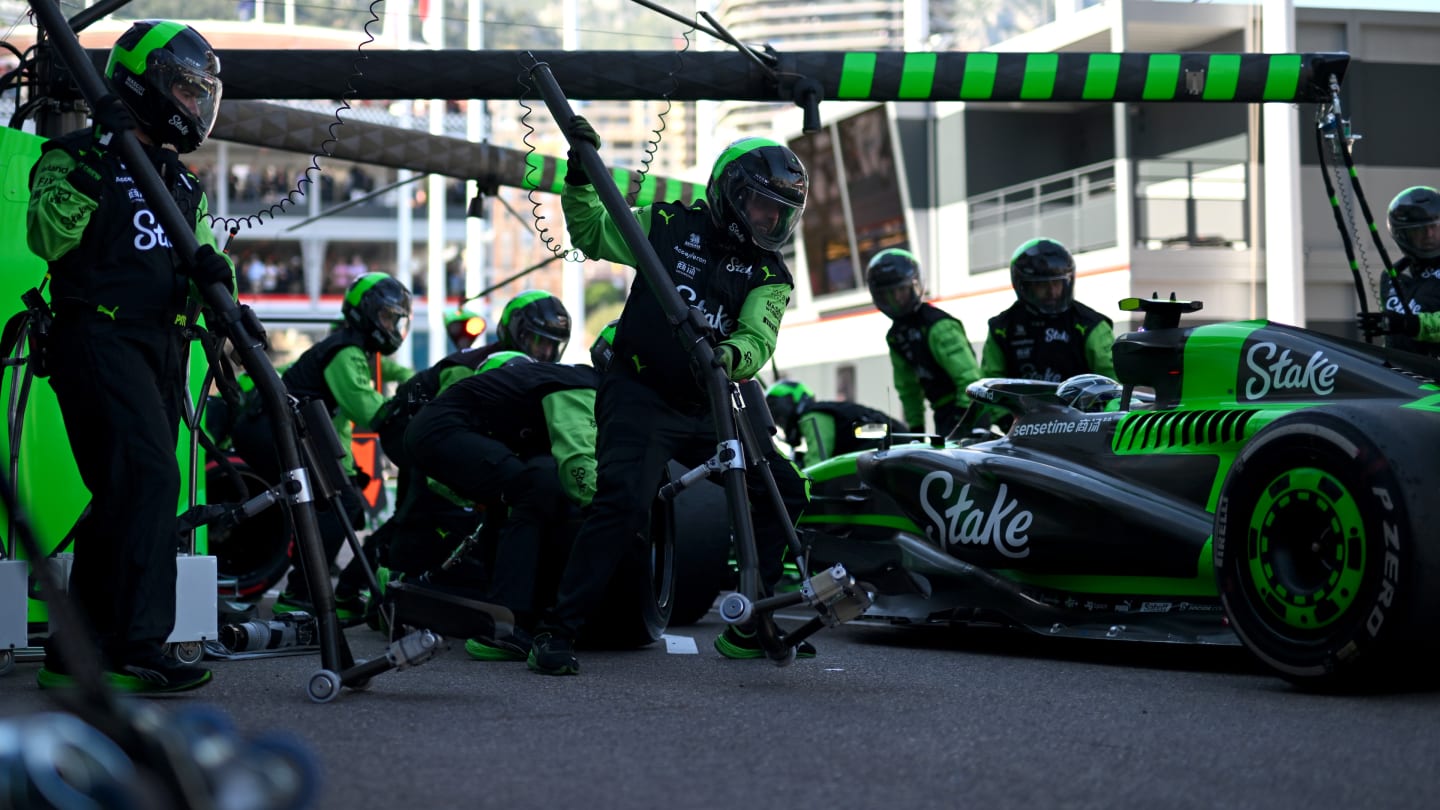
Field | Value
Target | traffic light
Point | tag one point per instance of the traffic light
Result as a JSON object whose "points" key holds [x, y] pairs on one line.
{"points": [[464, 328]]}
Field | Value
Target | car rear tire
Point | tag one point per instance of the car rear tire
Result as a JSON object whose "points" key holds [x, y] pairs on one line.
{"points": [[1320, 558]]}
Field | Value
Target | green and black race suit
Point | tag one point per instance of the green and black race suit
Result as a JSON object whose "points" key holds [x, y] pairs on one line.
{"points": [[829, 428], [339, 371], [741, 291], [931, 359], [1027, 345], [1421, 286], [395, 415], [532, 409], [108, 253]]}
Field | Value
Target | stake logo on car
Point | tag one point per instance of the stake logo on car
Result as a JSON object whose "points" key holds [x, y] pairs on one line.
{"points": [[1274, 370], [1003, 525]]}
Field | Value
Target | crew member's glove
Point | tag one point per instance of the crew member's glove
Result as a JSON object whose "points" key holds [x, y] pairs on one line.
{"points": [[253, 326], [725, 358], [85, 179], [210, 267], [1372, 324], [111, 113], [579, 130]]}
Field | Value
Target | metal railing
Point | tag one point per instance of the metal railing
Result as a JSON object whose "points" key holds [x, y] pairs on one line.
{"points": [[1076, 208]]}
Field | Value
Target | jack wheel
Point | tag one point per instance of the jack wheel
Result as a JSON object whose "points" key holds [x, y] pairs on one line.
{"points": [[736, 608], [186, 652], [785, 660], [324, 686]]}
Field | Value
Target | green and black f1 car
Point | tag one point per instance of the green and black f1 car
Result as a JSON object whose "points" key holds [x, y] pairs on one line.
{"points": [[1277, 489]]}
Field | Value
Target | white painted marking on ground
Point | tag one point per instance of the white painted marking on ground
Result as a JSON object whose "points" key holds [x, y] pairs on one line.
{"points": [[680, 645]]}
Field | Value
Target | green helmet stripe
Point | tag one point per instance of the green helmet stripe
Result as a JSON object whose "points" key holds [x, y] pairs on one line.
{"points": [[900, 252], [362, 286], [737, 149], [134, 59], [520, 301]]}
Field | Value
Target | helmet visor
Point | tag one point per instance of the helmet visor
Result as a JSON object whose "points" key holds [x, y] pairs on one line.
{"points": [[541, 346], [1419, 241], [1048, 296], [195, 93], [896, 300], [770, 218], [394, 321]]}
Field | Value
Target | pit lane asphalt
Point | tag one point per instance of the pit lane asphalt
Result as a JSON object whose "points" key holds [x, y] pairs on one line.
{"points": [[884, 717]]}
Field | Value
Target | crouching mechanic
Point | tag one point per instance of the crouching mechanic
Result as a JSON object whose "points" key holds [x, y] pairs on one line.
{"points": [[340, 371], [826, 428], [519, 438], [722, 256]]}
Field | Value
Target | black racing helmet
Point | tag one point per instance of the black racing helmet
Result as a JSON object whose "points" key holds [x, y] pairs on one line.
{"points": [[168, 76], [602, 351], [1415, 222], [537, 323], [1042, 272], [786, 399], [757, 192], [378, 307], [893, 277]]}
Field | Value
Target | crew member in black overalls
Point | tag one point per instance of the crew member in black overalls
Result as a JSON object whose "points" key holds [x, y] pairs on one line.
{"points": [[1046, 334], [930, 356], [340, 371], [722, 256], [118, 352], [519, 438], [824, 428], [1413, 326]]}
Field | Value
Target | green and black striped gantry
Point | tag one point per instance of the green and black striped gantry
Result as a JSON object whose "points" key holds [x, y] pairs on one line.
{"points": [[878, 76]]}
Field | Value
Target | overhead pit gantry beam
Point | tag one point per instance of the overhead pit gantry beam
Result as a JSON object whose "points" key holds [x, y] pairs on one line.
{"points": [[831, 75], [837, 75]]}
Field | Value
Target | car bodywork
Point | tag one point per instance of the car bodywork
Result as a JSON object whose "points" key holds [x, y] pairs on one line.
{"points": [[1092, 520]]}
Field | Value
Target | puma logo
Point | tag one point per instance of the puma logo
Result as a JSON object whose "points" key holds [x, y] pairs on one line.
{"points": [[766, 270], [667, 215], [109, 313], [639, 367]]}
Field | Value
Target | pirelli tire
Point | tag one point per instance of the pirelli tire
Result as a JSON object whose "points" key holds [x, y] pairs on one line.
{"points": [[1324, 563]]}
